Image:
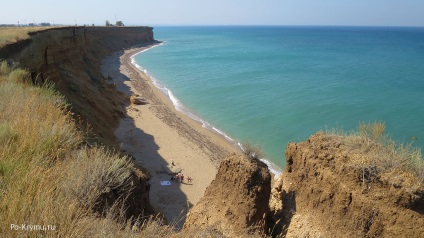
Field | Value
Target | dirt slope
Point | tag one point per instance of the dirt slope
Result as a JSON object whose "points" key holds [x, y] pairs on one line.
{"points": [[70, 57], [236, 200], [322, 193]]}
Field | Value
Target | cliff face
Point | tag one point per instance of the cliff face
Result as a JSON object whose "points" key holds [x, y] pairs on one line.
{"points": [[70, 58], [236, 200], [323, 193]]}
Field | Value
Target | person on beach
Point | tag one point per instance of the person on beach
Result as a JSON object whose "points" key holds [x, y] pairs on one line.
{"points": [[172, 162], [189, 179], [182, 178]]}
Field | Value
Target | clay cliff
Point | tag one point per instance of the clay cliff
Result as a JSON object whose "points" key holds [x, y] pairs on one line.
{"points": [[328, 190], [332, 186], [70, 58], [236, 202]]}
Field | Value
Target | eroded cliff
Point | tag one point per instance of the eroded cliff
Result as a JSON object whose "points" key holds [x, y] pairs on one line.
{"points": [[329, 190], [70, 58], [236, 202]]}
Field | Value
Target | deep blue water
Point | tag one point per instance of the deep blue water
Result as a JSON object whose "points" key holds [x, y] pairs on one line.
{"points": [[274, 85]]}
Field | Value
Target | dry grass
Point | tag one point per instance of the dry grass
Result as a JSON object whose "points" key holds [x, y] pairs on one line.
{"points": [[35, 132], [93, 174], [374, 130], [9, 35], [40, 161], [4, 68], [253, 150], [50, 181], [19, 76], [376, 154]]}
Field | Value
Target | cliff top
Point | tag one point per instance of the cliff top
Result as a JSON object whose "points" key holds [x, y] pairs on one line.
{"points": [[358, 184], [10, 35]]}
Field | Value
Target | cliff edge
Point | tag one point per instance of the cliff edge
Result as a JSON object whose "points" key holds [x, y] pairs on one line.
{"points": [[236, 202], [70, 57], [329, 188]]}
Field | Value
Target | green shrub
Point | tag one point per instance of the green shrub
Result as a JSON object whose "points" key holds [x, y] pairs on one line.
{"points": [[19, 76], [4, 68]]}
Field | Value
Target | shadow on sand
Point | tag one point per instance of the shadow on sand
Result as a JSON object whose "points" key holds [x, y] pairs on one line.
{"points": [[169, 200]]}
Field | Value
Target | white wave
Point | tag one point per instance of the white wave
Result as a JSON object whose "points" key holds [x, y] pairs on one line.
{"points": [[240, 146], [273, 168], [146, 49], [179, 106], [223, 134], [175, 101]]}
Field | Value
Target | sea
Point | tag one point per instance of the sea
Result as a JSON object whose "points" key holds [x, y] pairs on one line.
{"points": [[271, 85]]}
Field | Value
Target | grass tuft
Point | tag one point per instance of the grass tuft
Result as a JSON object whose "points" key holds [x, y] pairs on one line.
{"points": [[92, 175], [375, 154], [6, 133], [19, 76], [4, 68], [373, 130], [253, 151]]}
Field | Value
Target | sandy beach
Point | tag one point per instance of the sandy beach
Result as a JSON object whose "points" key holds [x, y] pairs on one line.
{"points": [[157, 134]]}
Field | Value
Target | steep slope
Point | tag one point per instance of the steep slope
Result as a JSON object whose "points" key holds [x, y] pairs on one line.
{"points": [[70, 57], [328, 190], [236, 201]]}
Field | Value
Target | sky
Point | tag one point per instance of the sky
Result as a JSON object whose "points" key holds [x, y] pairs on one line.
{"points": [[217, 12]]}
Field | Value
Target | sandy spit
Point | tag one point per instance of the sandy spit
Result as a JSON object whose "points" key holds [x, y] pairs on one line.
{"points": [[157, 134]]}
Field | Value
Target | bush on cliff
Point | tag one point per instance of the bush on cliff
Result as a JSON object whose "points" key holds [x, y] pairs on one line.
{"points": [[252, 151], [19, 76], [4, 68], [46, 177], [383, 153]]}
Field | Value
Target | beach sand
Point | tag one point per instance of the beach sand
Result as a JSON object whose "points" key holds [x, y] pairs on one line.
{"points": [[156, 133]]}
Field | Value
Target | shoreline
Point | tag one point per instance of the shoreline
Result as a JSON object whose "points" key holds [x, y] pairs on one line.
{"points": [[156, 134], [178, 106], [193, 120], [181, 107]]}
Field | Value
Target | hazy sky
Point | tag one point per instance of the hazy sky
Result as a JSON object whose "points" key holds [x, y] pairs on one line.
{"points": [[217, 12]]}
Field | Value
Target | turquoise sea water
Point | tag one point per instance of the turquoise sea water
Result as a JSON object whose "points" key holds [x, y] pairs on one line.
{"points": [[274, 85]]}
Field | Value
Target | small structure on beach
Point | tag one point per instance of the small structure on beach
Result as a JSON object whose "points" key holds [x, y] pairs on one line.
{"points": [[137, 100]]}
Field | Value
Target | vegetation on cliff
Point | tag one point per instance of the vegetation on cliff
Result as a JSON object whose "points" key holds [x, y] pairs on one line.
{"points": [[383, 154], [52, 181], [10, 35], [47, 176], [358, 184]]}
